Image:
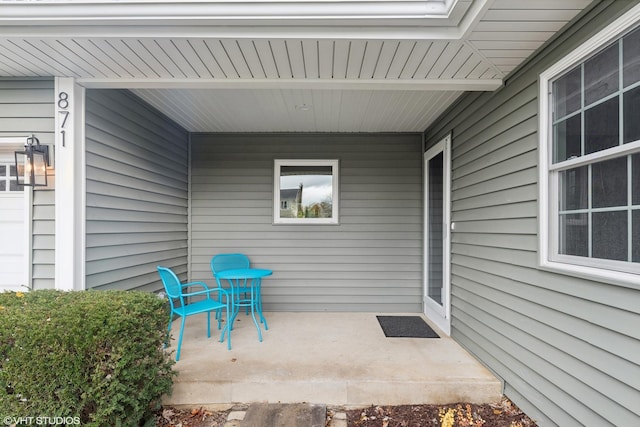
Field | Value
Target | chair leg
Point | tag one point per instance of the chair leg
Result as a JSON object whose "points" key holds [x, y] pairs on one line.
{"points": [[227, 330], [208, 324], [180, 339]]}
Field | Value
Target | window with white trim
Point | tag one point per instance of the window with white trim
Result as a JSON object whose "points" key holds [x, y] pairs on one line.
{"points": [[590, 158], [305, 192]]}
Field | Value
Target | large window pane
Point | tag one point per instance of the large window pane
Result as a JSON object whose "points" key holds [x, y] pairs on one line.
{"points": [[567, 139], [306, 191], [573, 189], [567, 92], [574, 234], [3, 185], [631, 58], [610, 235], [3, 170], [602, 126], [632, 115], [635, 179], [635, 236], [601, 75], [609, 183]]}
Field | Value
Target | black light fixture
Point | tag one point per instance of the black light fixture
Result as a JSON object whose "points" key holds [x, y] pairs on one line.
{"points": [[31, 164]]}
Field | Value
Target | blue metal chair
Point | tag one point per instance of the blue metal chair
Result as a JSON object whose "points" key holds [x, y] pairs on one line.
{"points": [[223, 262], [176, 292]]}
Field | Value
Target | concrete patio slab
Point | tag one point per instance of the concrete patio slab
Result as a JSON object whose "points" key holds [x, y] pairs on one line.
{"points": [[328, 358]]}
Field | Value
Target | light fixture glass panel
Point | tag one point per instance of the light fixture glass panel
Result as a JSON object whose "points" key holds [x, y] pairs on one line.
{"points": [[39, 165], [22, 167]]}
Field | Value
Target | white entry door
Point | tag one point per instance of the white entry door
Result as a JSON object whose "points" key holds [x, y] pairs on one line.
{"points": [[12, 227], [437, 199]]}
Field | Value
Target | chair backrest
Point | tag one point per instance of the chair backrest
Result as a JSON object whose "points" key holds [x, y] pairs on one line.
{"points": [[171, 283], [222, 262]]}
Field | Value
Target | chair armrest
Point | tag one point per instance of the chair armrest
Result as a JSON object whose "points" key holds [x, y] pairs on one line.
{"points": [[202, 284], [206, 292]]}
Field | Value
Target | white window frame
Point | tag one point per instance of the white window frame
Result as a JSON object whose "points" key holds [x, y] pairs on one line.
{"points": [[277, 165], [618, 272]]}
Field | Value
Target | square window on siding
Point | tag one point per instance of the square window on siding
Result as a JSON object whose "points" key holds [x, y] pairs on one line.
{"points": [[305, 192]]}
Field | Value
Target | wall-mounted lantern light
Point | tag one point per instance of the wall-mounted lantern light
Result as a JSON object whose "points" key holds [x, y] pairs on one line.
{"points": [[31, 164]]}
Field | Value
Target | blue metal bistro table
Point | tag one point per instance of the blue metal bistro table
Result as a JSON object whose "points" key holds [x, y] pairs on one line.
{"points": [[249, 278]]}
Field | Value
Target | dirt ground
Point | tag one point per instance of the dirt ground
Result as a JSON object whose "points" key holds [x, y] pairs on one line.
{"points": [[502, 414]]}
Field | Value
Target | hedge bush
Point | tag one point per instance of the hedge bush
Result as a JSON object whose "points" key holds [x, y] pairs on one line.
{"points": [[95, 356]]}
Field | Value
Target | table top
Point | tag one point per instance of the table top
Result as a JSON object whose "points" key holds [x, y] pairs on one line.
{"points": [[244, 273]]}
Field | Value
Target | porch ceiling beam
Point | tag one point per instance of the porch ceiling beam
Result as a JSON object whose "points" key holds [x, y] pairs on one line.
{"points": [[310, 84]]}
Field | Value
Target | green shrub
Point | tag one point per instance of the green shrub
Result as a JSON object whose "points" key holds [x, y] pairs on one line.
{"points": [[96, 356]]}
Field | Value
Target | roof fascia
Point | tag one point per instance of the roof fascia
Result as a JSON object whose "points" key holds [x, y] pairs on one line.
{"points": [[144, 10], [305, 19]]}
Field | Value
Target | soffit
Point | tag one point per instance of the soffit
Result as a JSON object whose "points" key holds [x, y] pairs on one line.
{"points": [[357, 66]]}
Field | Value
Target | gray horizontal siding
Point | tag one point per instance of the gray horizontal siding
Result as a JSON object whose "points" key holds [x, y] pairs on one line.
{"points": [[26, 107], [137, 193], [371, 261], [567, 348]]}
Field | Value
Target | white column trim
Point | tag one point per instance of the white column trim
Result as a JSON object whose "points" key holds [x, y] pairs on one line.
{"points": [[70, 199]]}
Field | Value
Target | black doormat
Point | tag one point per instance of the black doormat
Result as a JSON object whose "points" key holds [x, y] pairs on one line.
{"points": [[406, 327]]}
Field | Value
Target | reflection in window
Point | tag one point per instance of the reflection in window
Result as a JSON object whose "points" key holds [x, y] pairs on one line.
{"points": [[306, 191]]}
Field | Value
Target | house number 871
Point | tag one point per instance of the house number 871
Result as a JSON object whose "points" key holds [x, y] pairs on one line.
{"points": [[63, 105]]}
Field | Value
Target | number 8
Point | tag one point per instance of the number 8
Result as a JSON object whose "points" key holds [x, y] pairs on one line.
{"points": [[63, 100]]}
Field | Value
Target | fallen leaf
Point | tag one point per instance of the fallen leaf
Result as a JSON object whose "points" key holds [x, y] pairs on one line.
{"points": [[167, 414]]}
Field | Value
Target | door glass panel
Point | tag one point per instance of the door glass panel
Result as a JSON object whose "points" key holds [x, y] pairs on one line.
{"points": [[435, 224]]}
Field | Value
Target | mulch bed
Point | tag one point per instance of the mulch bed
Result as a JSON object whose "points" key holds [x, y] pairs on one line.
{"points": [[503, 414]]}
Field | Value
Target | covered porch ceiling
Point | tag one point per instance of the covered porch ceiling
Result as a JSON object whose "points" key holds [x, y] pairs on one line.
{"points": [[283, 66]]}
